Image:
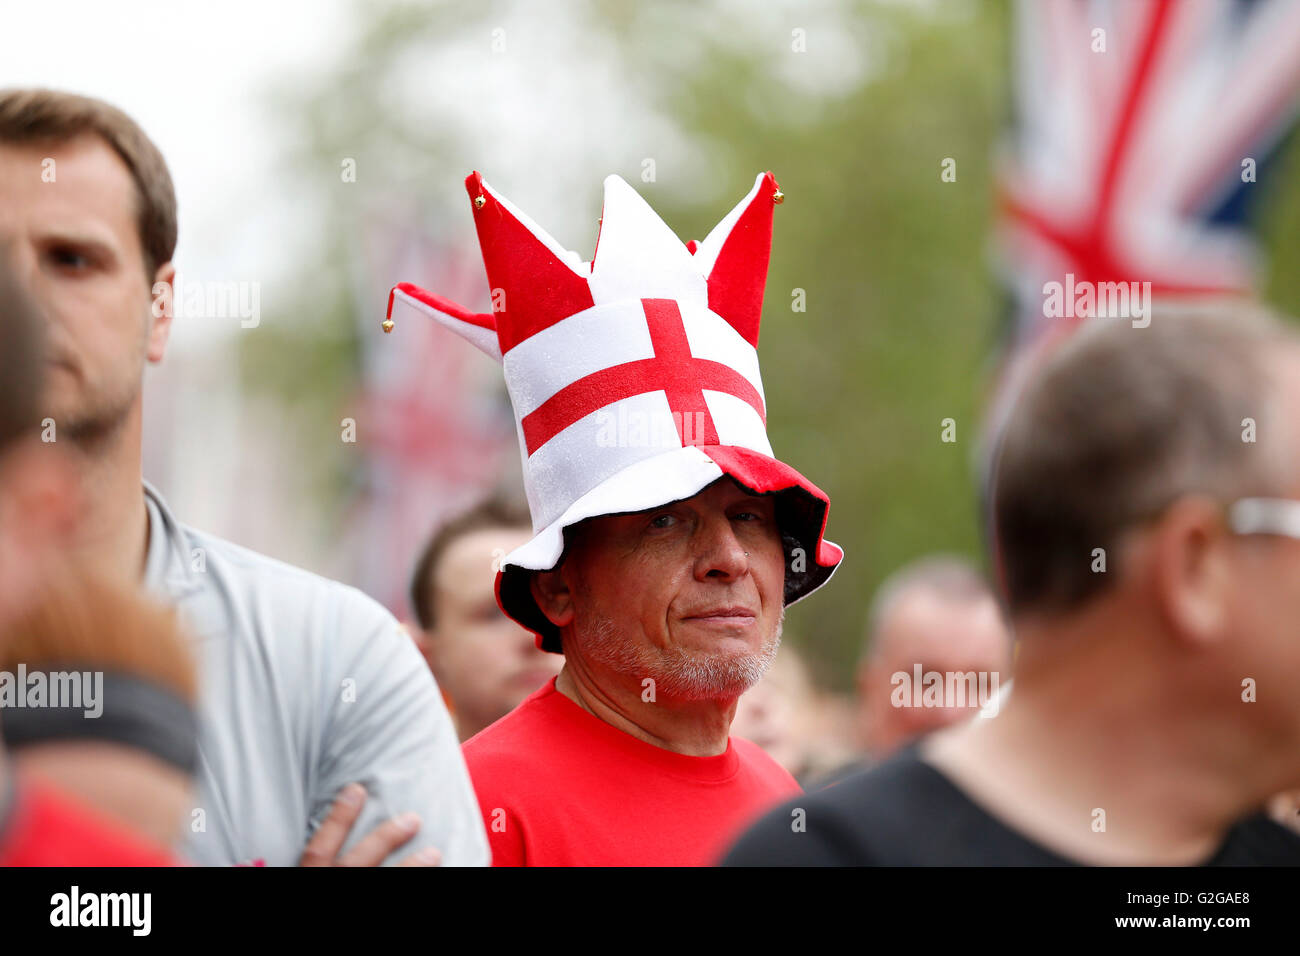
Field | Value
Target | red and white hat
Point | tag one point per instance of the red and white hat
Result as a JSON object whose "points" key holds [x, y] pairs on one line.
{"points": [[634, 377]]}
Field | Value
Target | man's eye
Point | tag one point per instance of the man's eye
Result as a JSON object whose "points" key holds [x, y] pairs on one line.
{"points": [[749, 516], [663, 521], [70, 258]]}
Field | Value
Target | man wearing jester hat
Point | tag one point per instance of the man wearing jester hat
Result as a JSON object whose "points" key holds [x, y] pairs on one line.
{"points": [[667, 537]]}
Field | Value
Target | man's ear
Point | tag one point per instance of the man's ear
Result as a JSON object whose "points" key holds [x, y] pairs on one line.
{"points": [[1191, 569], [161, 311], [553, 596]]}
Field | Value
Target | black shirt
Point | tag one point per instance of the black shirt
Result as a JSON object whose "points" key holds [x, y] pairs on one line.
{"points": [[904, 812]]}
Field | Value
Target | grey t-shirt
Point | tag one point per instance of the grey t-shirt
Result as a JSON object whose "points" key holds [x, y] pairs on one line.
{"points": [[305, 685]]}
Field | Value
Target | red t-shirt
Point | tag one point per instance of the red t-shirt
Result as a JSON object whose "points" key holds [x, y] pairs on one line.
{"points": [[46, 828], [560, 787]]}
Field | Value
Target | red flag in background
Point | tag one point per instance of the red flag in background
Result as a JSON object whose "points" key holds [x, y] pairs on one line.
{"points": [[433, 421]]}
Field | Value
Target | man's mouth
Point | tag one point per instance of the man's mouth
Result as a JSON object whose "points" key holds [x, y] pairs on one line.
{"points": [[730, 616]]}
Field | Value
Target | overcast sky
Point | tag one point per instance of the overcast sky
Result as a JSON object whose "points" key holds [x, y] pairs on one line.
{"points": [[192, 75]]}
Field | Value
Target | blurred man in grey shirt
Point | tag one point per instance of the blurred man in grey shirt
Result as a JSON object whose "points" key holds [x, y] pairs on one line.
{"points": [[323, 738]]}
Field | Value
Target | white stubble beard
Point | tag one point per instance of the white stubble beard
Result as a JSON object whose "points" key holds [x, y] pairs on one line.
{"points": [[679, 673]]}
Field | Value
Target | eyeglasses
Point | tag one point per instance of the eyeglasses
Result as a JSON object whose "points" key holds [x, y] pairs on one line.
{"points": [[1265, 516]]}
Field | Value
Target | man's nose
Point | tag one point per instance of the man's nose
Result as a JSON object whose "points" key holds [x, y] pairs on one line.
{"points": [[720, 554]]}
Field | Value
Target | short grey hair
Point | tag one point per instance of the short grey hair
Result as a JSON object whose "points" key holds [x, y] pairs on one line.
{"points": [[1119, 423], [950, 577]]}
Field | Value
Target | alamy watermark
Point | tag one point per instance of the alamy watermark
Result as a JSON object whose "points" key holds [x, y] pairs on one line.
{"points": [[630, 429], [955, 689], [1104, 300], [184, 299], [61, 689], [130, 910]]}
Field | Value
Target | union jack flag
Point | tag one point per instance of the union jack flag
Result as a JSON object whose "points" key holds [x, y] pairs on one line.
{"points": [[1143, 129]]}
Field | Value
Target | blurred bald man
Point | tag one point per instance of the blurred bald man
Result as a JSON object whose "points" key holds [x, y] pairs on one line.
{"points": [[937, 615], [1154, 716]]}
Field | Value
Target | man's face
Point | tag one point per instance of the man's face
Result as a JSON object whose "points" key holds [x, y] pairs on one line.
{"points": [[943, 635], [779, 713], [78, 250], [689, 594], [485, 662]]}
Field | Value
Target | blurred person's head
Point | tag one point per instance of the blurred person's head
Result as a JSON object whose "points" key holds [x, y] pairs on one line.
{"points": [[779, 713], [937, 615], [35, 483], [1125, 559], [688, 595], [21, 367], [115, 724], [485, 663], [90, 215]]}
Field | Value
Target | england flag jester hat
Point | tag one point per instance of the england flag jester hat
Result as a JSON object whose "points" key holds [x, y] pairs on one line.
{"points": [[634, 377]]}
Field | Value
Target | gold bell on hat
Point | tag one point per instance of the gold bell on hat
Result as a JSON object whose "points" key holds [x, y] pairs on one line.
{"points": [[388, 325]]}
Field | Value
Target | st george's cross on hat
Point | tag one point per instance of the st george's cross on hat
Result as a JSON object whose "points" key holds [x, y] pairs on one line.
{"points": [[633, 377]]}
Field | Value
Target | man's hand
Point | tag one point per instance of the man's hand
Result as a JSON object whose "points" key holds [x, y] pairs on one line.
{"points": [[372, 849]]}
